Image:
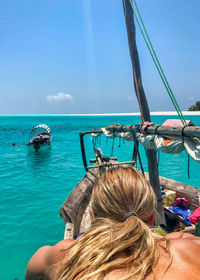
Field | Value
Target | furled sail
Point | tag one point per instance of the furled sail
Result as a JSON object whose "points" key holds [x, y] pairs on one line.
{"points": [[171, 144]]}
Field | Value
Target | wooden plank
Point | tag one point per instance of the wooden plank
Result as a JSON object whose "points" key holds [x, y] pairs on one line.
{"points": [[75, 205], [189, 192]]}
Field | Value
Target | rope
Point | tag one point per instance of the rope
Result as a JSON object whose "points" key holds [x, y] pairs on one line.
{"points": [[140, 162], [113, 143], [156, 61], [188, 166], [188, 160], [136, 154], [135, 151], [158, 158]]}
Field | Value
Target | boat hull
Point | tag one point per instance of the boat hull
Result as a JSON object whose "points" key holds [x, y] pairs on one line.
{"points": [[40, 141], [40, 147]]}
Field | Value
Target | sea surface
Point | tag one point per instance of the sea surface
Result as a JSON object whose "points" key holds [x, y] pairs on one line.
{"points": [[33, 185]]}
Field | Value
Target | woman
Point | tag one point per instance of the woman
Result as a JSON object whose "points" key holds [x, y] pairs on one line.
{"points": [[120, 243]]}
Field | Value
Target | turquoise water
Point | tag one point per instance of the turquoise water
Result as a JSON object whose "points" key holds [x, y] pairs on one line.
{"points": [[33, 186]]}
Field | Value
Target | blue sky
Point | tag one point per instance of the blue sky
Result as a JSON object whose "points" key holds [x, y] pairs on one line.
{"points": [[71, 56]]}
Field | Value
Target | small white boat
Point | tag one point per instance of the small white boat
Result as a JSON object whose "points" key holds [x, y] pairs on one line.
{"points": [[40, 137]]}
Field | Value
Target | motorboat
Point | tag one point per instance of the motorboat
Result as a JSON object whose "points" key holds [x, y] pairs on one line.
{"points": [[40, 137]]}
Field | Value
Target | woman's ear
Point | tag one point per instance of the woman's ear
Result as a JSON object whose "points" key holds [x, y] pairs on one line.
{"points": [[91, 213], [151, 220]]}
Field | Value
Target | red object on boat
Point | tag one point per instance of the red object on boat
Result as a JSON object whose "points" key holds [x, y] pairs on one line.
{"points": [[194, 218], [181, 202], [176, 122]]}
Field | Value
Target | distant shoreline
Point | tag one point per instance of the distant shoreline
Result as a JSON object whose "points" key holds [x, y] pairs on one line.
{"points": [[167, 113]]}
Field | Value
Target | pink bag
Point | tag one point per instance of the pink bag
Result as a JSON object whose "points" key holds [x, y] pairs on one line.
{"points": [[181, 202], [194, 218]]}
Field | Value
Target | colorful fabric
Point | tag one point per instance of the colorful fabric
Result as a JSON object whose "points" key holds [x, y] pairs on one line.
{"points": [[78, 235], [185, 213]]}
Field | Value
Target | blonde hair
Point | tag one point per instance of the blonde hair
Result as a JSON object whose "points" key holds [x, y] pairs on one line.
{"points": [[112, 242]]}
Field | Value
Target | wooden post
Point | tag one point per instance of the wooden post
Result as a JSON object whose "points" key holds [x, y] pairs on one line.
{"points": [[143, 105]]}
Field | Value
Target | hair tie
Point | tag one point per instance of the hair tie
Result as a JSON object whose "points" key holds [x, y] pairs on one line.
{"points": [[132, 213]]}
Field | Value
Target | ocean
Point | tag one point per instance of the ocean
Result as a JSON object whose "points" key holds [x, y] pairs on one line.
{"points": [[33, 185]]}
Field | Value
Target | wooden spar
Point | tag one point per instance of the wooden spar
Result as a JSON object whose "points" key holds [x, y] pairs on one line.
{"points": [[188, 131], [173, 131], [144, 108]]}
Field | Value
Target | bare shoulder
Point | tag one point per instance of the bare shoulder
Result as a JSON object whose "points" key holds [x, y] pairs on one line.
{"points": [[185, 241], [185, 246], [59, 251], [182, 235], [46, 256]]}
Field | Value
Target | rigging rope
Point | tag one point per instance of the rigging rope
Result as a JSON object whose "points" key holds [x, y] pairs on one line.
{"points": [[156, 60]]}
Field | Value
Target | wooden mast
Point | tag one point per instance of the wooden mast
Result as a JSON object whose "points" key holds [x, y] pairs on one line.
{"points": [[143, 105]]}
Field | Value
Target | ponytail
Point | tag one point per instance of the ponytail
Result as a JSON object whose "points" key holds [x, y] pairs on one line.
{"points": [[112, 242]]}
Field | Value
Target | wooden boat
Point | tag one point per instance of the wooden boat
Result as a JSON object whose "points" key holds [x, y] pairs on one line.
{"points": [[75, 210], [40, 137], [169, 139]]}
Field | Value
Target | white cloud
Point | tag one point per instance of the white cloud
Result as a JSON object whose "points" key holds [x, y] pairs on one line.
{"points": [[59, 98]]}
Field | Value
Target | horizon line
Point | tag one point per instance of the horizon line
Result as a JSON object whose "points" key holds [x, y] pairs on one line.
{"points": [[168, 113]]}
